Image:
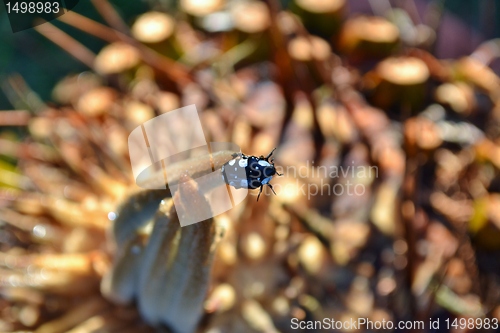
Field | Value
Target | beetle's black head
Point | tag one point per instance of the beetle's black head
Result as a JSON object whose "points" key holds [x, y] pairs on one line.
{"points": [[269, 171]]}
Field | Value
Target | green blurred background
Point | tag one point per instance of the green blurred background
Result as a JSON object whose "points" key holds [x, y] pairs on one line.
{"points": [[42, 63]]}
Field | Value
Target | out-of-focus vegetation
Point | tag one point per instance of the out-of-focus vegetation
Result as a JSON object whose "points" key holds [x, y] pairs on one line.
{"points": [[389, 204], [42, 64]]}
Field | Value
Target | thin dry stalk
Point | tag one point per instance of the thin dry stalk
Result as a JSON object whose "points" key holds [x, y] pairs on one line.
{"points": [[14, 118], [90, 26], [67, 43]]}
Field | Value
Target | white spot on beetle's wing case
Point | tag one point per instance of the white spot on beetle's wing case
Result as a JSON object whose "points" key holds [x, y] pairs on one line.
{"points": [[264, 163], [232, 162], [244, 183], [242, 163]]}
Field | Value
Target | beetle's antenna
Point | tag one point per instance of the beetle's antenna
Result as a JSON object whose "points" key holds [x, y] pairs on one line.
{"points": [[267, 157]]}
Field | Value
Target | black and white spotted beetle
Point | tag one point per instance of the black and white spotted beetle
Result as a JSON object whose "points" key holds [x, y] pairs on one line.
{"points": [[249, 172]]}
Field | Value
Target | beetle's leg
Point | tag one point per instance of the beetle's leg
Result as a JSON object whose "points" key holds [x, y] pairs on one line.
{"points": [[279, 174], [260, 191], [272, 189]]}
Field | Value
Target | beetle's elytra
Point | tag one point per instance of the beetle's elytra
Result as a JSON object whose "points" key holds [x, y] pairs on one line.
{"points": [[249, 172]]}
